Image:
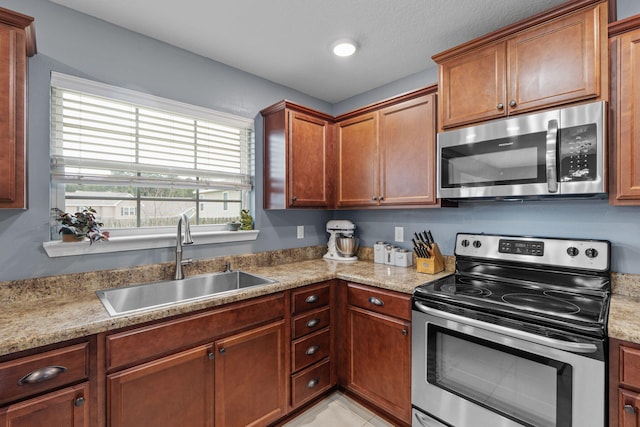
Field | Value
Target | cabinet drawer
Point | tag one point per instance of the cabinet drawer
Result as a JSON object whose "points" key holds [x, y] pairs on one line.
{"points": [[309, 322], [630, 366], [310, 349], [42, 372], [380, 301], [150, 342], [310, 297], [310, 383]]}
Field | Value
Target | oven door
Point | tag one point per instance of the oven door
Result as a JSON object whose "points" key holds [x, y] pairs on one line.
{"points": [[468, 373]]}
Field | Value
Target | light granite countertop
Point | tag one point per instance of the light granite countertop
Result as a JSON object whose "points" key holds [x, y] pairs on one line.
{"points": [[44, 311], [33, 320]]}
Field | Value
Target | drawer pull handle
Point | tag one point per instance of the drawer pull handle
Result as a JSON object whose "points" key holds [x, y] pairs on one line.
{"points": [[629, 409], [79, 401], [312, 350], [314, 382], [42, 374], [313, 322], [311, 299], [376, 301]]}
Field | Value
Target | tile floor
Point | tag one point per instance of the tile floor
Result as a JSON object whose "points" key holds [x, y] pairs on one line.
{"points": [[337, 410]]}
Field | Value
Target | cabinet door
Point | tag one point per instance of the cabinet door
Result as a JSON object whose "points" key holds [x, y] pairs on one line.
{"points": [[629, 406], [309, 154], [473, 86], [173, 391], [68, 407], [407, 153], [250, 377], [12, 111], [379, 360], [358, 161], [556, 62], [626, 163]]}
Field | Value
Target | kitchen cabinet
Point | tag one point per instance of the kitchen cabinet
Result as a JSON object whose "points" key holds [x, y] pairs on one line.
{"points": [[17, 42], [47, 388], [312, 346], [375, 362], [625, 108], [298, 157], [553, 58], [624, 384], [386, 154], [221, 362]]}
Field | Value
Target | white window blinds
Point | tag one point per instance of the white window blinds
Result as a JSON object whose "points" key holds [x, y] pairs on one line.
{"points": [[106, 135]]}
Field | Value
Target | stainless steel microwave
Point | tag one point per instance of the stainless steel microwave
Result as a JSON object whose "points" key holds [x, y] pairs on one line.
{"points": [[554, 153]]}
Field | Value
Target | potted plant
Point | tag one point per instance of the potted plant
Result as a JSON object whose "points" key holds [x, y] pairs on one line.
{"points": [[80, 225], [246, 221]]}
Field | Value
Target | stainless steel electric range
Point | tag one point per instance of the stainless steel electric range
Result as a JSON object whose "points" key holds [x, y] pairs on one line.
{"points": [[516, 337]]}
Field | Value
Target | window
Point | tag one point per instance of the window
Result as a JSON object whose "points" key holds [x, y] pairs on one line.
{"points": [[140, 160]]}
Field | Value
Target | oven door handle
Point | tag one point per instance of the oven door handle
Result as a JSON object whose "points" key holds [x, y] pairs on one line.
{"points": [[514, 333]]}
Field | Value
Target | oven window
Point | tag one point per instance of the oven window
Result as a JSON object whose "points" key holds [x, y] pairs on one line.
{"points": [[505, 161], [526, 388]]}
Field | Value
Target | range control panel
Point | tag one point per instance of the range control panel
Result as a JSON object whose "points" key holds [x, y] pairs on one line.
{"points": [[571, 253]]}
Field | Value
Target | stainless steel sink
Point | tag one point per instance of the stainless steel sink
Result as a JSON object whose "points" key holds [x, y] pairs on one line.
{"points": [[135, 298]]}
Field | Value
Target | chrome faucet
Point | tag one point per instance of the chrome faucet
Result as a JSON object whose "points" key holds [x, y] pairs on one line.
{"points": [[183, 218]]}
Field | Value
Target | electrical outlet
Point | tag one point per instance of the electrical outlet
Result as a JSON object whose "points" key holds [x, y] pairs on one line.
{"points": [[301, 232], [399, 234]]}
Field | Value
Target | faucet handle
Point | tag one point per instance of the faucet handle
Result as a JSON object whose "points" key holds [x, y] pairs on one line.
{"points": [[187, 261]]}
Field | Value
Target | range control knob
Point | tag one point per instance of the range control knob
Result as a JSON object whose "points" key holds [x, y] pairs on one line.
{"points": [[572, 251], [591, 253], [477, 243], [464, 243]]}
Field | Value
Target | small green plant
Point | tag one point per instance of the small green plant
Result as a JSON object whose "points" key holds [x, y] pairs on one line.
{"points": [[246, 221], [81, 224]]}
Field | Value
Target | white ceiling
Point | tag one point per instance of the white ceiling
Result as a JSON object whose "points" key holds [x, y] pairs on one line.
{"points": [[288, 41]]}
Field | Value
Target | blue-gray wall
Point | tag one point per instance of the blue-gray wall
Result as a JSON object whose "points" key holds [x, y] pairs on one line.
{"points": [[76, 44]]}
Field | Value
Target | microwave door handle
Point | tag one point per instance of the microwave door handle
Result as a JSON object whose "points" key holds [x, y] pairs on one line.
{"points": [[551, 161]]}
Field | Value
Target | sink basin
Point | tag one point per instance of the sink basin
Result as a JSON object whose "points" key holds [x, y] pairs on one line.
{"points": [[135, 298]]}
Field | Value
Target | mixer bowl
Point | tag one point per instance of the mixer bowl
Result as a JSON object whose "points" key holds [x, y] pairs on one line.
{"points": [[347, 246]]}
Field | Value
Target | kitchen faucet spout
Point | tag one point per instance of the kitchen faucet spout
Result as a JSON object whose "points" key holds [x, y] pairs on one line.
{"points": [[187, 240]]}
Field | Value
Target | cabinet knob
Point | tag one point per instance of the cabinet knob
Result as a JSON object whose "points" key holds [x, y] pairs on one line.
{"points": [[629, 409], [79, 401], [512, 103], [312, 350], [294, 198], [376, 301], [313, 322], [380, 198], [500, 106], [314, 382], [404, 332], [223, 351], [311, 299], [374, 198], [211, 355]]}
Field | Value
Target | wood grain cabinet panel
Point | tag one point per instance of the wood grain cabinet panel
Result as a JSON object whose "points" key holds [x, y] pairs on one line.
{"points": [[68, 407], [298, 157], [17, 42], [549, 60], [625, 106]]}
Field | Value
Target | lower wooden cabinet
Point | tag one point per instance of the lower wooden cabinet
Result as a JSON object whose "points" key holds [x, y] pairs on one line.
{"points": [[250, 377], [376, 362], [165, 392], [68, 407], [624, 384]]}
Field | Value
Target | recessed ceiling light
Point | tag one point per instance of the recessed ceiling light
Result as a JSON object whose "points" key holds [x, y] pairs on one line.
{"points": [[344, 47]]}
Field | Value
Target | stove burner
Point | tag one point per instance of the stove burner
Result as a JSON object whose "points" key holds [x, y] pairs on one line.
{"points": [[541, 303], [461, 289]]}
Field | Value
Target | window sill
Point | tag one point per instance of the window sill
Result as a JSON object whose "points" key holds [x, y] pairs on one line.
{"points": [[56, 249]]}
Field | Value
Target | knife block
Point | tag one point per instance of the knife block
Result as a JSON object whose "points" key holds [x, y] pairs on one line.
{"points": [[432, 265]]}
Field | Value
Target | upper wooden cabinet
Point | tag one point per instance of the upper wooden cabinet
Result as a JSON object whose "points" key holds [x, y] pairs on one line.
{"points": [[551, 59], [298, 157], [386, 155], [17, 41], [625, 108]]}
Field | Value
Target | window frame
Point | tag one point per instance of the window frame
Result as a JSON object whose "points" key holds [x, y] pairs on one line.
{"points": [[162, 236]]}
